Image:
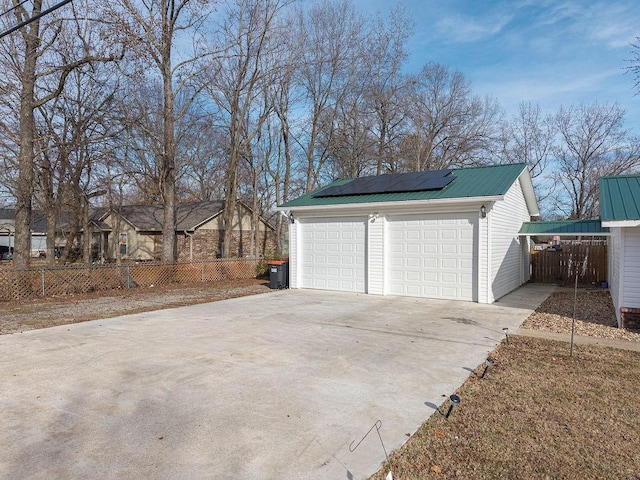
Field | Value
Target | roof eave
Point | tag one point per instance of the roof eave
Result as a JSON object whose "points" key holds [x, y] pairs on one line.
{"points": [[529, 193], [564, 234], [409, 203], [621, 223], [199, 224]]}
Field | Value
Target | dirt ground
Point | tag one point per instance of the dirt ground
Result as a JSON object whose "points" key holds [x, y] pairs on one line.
{"points": [[25, 315], [594, 314]]}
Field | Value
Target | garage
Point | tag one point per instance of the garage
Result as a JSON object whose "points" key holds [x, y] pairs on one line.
{"points": [[448, 234], [333, 254], [432, 256]]}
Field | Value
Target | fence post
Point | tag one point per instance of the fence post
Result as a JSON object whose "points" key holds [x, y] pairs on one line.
{"points": [[202, 271], [43, 282], [128, 276]]}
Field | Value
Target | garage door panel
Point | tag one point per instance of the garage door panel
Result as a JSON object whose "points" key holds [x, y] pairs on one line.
{"points": [[333, 254], [440, 265]]}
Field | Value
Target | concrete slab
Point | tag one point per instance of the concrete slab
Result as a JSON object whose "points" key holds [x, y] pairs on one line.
{"points": [[264, 387]]}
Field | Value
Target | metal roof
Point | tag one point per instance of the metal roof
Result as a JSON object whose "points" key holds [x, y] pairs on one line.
{"points": [[620, 198], [564, 227], [471, 182]]}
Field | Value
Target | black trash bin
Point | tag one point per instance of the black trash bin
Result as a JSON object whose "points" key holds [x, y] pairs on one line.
{"points": [[278, 274]]}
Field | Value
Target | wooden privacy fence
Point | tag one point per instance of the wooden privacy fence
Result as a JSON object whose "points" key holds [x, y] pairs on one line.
{"points": [[64, 280], [559, 264]]}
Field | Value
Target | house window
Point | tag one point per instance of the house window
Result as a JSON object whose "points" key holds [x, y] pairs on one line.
{"points": [[123, 244]]}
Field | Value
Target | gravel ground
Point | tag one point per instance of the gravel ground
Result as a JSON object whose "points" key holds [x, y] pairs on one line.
{"points": [[595, 315], [42, 313]]}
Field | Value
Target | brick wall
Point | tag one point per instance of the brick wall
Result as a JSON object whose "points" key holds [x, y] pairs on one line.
{"points": [[630, 317], [207, 244]]}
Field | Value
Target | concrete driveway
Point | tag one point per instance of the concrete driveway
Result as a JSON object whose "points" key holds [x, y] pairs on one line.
{"points": [[271, 386]]}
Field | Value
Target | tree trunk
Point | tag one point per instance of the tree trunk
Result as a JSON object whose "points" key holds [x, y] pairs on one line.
{"points": [[231, 192], [255, 222], [24, 190], [87, 234], [51, 236], [169, 250]]}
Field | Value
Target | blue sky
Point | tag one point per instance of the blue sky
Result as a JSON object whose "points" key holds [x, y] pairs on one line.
{"points": [[553, 53]]}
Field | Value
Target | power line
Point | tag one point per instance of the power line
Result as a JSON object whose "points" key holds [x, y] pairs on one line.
{"points": [[35, 17]]}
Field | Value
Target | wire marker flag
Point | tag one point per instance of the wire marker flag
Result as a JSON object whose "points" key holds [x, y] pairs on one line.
{"points": [[377, 426]]}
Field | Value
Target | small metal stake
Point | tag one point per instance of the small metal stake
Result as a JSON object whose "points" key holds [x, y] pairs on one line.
{"points": [[455, 399], [486, 367], [506, 334]]}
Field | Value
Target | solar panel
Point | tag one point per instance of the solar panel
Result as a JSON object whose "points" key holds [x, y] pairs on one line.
{"points": [[391, 183]]}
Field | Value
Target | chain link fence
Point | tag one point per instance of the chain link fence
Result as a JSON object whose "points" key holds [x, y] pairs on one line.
{"points": [[48, 281]]}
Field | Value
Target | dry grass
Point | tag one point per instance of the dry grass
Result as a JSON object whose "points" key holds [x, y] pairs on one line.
{"points": [[538, 413], [48, 312]]}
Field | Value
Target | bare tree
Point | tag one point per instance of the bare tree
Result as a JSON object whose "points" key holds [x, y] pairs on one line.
{"points": [[386, 86], [451, 126], [72, 129], [26, 76], [37, 70], [329, 38], [529, 138], [592, 144], [204, 152], [278, 161], [153, 28], [247, 33], [349, 142], [634, 63]]}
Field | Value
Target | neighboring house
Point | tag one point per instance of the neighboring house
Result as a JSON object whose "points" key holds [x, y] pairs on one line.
{"points": [[7, 233], [451, 234], [620, 211], [136, 231]]}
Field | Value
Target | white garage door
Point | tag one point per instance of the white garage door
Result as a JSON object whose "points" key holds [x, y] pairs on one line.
{"points": [[432, 256], [333, 254]]}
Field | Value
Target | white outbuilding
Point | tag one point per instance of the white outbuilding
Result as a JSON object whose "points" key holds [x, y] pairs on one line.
{"points": [[620, 211], [449, 234]]}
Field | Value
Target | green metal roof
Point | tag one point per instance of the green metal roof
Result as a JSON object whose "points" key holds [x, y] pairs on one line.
{"points": [[564, 227], [469, 183], [620, 198]]}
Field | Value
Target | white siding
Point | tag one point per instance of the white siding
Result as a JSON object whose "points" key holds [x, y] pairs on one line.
{"points": [[631, 271], [614, 268], [506, 219], [526, 259], [294, 257], [483, 260], [375, 255]]}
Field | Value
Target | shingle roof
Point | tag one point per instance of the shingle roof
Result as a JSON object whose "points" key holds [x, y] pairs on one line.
{"points": [[472, 182], [564, 227], [189, 216], [620, 198], [38, 220]]}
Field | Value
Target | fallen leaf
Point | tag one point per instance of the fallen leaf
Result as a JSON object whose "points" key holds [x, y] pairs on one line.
{"points": [[436, 469]]}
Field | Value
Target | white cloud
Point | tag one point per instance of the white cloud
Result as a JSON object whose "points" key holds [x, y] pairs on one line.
{"points": [[461, 28], [614, 24]]}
